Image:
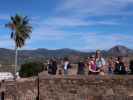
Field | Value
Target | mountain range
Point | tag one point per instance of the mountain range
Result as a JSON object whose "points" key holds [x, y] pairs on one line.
{"points": [[7, 55]]}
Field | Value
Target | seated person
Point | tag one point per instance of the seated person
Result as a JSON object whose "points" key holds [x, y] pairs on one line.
{"points": [[110, 65], [92, 66], [119, 66]]}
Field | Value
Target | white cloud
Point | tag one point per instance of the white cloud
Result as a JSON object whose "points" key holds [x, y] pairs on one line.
{"points": [[105, 41], [59, 22], [50, 29], [64, 21], [46, 33], [73, 13], [93, 7]]}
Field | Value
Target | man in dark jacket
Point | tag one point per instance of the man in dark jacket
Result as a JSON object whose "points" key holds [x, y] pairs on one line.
{"points": [[119, 66]]}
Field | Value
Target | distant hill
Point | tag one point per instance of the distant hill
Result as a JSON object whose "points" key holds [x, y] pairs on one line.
{"points": [[120, 50], [7, 55]]}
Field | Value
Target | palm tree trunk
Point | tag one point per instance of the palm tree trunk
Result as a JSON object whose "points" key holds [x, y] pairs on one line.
{"points": [[16, 59]]}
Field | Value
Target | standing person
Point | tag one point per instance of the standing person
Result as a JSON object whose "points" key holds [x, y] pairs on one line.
{"points": [[54, 66], [50, 70], [119, 66], [66, 65], [100, 62], [81, 67], [92, 66]]}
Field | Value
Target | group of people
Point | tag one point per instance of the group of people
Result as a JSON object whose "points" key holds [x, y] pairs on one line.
{"points": [[95, 64], [53, 66]]}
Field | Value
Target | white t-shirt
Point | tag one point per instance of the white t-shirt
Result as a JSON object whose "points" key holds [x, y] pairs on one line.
{"points": [[66, 65], [100, 62]]}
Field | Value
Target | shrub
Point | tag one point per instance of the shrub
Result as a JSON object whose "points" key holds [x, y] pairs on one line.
{"points": [[31, 69]]}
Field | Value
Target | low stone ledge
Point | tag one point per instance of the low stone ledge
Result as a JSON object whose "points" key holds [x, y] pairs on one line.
{"points": [[91, 77], [91, 87]]}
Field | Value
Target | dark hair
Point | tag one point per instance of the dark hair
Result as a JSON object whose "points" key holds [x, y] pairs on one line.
{"points": [[92, 56], [97, 53], [66, 59], [120, 58]]}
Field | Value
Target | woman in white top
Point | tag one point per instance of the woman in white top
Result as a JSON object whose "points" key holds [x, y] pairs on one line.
{"points": [[100, 62], [66, 64]]}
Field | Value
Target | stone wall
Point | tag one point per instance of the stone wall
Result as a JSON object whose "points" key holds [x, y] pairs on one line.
{"points": [[25, 89], [86, 88], [72, 88]]}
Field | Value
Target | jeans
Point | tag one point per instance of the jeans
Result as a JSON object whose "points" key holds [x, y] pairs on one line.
{"points": [[110, 70]]}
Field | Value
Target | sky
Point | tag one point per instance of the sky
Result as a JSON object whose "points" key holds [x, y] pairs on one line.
{"points": [[75, 24]]}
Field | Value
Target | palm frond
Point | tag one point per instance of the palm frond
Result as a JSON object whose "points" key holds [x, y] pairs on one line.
{"points": [[21, 29]]}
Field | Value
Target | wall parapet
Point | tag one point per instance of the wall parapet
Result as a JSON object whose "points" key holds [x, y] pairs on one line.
{"points": [[113, 87], [90, 87]]}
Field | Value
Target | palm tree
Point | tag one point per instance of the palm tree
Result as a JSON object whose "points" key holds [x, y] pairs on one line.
{"points": [[20, 31]]}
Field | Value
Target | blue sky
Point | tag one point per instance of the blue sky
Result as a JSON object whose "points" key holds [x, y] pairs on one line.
{"points": [[76, 24]]}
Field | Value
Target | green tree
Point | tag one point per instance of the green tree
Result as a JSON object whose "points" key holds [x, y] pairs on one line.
{"points": [[29, 69], [20, 31]]}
